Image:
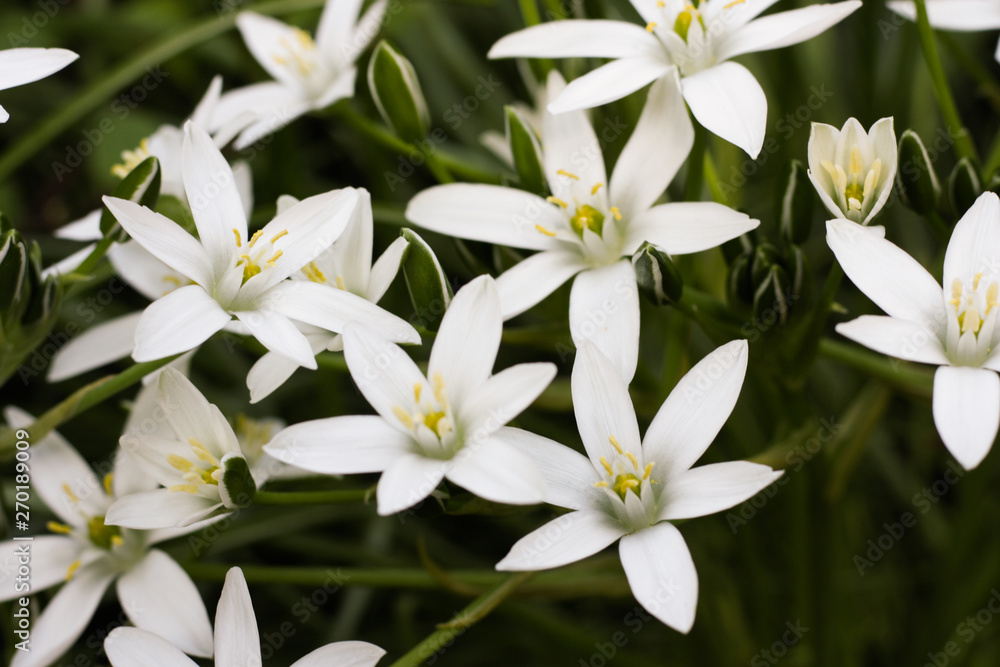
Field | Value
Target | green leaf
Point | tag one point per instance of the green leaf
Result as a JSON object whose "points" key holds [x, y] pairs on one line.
{"points": [[526, 151], [396, 91], [425, 280], [142, 185]]}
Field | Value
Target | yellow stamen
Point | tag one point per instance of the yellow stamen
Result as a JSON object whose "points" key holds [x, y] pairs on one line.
{"points": [[991, 296], [416, 391], [607, 466], [544, 231], [179, 462], [253, 239], [202, 452], [340, 283], [239, 243], [186, 488], [733, 4], [563, 172], [313, 273], [598, 186], [439, 391], [956, 292], [74, 566], [558, 202], [274, 258], [117, 541], [108, 481], [69, 492], [660, 4], [631, 457], [651, 26], [614, 443], [615, 212], [277, 236], [975, 281], [649, 469], [60, 528], [173, 280], [601, 485], [403, 416]]}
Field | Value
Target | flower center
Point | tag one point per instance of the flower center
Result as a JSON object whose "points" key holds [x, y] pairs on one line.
{"points": [[856, 185], [255, 259], [298, 54], [586, 210], [100, 535], [203, 469], [625, 473], [972, 321], [429, 418], [131, 160], [312, 272], [971, 306]]}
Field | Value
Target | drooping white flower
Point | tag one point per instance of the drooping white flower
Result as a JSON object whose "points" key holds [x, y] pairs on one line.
{"points": [[307, 74], [446, 424], [237, 640], [21, 66], [853, 170], [694, 43], [955, 330], [88, 555], [589, 226], [630, 489], [959, 15], [347, 266], [236, 276]]}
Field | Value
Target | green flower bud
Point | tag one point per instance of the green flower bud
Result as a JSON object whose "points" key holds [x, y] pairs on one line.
{"points": [[429, 289], [526, 151], [964, 186], [916, 182], [396, 91], [658, 278], [237, 488], [796, 203]]}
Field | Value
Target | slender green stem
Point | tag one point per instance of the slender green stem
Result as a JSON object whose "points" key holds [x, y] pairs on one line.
{"points": [[712, 178], [79, 402], [899, 374], [963, 141], [331, 497], [88, 264], [463, 620], [95, 93]]}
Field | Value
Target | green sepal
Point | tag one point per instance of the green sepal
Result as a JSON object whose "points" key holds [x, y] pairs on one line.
{"points": [[657, 276], [964, 186], [141, 185], [526, 152], [237, 488], [429, 289], [396, 90]]}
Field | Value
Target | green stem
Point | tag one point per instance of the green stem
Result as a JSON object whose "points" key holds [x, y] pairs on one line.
{"points": [[987, 84], [463, 620], [332, 497], [79, 402], [105, 88], [88, 264], [963, 142], [899, 374]]}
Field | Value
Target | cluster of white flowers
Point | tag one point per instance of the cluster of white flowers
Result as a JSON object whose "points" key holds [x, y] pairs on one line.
{"points": [[305, 284]]}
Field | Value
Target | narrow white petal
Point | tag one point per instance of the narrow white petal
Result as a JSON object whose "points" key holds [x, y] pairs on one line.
{"points": [[712, 488], [382, 370], [384, 270], [58, 466], [883, 139], [144, 271], [575, 38], [267, 39], [727, 100], [21, 66], [277, 333], [99, 345], [190, 415], [365, 30], [178, 322], [568, 475], [528, 282], [896, 282], [268, 373], [785, 28], [342, 654], [685, 227], [604, 309], [570, 146], [87, 228], [340, 445], [966, 406], [337, 22], [159, 509], [974, 247], [487, 213], [602, 407], [406, 482], [694, 412], [159, 596], [237, 642], [503, 397], [896, 338], [497, 471], [132, 647], [611, 82], [51, 556], [565, 540], [661, 574]]}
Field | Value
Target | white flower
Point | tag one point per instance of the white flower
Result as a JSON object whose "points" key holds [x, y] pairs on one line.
{"points": [[307, 74], [241, 277], [193, 455], [21, 66], [630, 490], [589, 226], [237, 640], [679, 39], [960, 15], [955, 330], [852, 170], [88, 555], [446, 424], [346, 265]]}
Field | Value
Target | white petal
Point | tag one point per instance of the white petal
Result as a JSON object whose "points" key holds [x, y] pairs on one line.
{"points": [[278, 334], [468, 339], [502, 397], [66, 616], [337, 22], [266, 38], [727, 100], [975, 243], [575, 38], [143, 271], [190, 414], [159, 509], [340, 445], [657, 148], [406, 482], [159, 596], [661, 574], [685, 227], [962, 15], [132, 647], [178, 322], [99, 345], [87, 228], [384, 270], [50, 559], [487, 213], [896, 282], [164, 239], [896, 338], [21, 66], [611, 82], [57, 467], [237, 642], [604, 309], [342, 654], [497, 471], [712, 488], [966, 406], [602, 407], [528, 282], [568, 475], [350, 256], [883, 139], [570, 147], [381, 370], [784, 28], [565, 540], [694, 412], [365, 30]]}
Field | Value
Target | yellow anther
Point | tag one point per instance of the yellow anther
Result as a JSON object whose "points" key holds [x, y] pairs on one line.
{"points": [[615, 212], [856, 164], [607, 466], [648, 470], [403, 416], [597, 186], [956, 292], [185, 488], [239, 241], [340, 283], [660, 4], [417, 387], [275, 257], [108, 481], [202, 452], [277, 236], [631, 457], [73, 567], [558, 202], [733, 4], [439, 391], [69, 492], [253, 239], [545, 231], [991, 296], [601, 484], [179, 462], [651, 26], [60, 528], [614, 443], [173, 280], [975, 281], [131, 160], [117, 541], [313, 273], [563, 172]]}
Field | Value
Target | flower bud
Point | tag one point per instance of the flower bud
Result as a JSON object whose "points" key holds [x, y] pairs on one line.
{"points": [[396, 91], [964, 186], [916, 181], [429, 289], [658, 278], [795, 204], [526, 152]]}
